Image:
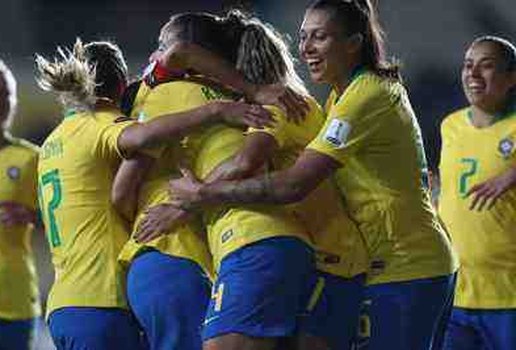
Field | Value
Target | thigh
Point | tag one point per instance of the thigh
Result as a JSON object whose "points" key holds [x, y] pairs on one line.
{"points": [[404, 315], [169, 297], [17, 334], [333, 311], [259, 290], [85, 328]]}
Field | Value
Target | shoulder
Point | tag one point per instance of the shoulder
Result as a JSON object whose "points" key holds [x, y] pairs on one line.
{"points": [[23, 146], [453, 120]]}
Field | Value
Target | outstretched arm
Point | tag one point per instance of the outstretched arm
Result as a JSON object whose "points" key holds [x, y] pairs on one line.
{"points": [[281, 187], [166, 127], [184, 55]]}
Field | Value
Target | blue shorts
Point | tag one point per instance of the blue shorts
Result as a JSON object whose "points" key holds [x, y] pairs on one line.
{"points": [[261, 289], [472, 329], [333, 310], [169, 297], [88, 328], [405, 315], [17, 334]]}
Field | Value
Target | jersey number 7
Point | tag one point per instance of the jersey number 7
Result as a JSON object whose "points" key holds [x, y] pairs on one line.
{"points": [[51, 178]]}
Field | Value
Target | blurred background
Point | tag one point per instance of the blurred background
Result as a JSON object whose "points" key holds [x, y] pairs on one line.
{"points": [[428, 37]]}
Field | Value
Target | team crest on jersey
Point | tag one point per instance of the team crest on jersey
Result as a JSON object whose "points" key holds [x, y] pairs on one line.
{"points": [[505, 147], [337, 132], [13, 172]]}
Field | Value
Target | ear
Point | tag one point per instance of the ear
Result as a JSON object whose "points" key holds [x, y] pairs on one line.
{"points": [[355, 42]]}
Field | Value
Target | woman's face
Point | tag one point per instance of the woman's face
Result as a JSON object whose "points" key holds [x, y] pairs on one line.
{"points": [[485, 79], [324, 47], [167, 37]]}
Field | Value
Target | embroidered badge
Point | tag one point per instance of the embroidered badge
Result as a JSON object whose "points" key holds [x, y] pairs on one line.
{"points": [[337, 132], [13, 172], [505, 147]]}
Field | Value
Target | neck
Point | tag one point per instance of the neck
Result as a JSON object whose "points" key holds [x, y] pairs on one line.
{"points": [[482, 118], [346, 78]]}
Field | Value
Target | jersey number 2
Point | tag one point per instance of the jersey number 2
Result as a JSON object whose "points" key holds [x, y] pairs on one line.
{"points": [[52, 178]]}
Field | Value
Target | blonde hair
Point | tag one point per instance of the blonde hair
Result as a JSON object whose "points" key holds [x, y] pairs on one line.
{"points": [[10, 86], [69, 75], [85, 74]]}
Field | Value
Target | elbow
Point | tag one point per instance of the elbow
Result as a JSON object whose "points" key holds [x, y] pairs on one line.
{"points": [[132, 139]]}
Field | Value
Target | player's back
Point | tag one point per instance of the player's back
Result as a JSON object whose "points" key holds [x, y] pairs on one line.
{"points": [[76, 169]]}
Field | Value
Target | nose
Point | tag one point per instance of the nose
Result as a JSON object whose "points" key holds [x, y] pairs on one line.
{"points": [[305, 47], [153, 56], [475, 70]]}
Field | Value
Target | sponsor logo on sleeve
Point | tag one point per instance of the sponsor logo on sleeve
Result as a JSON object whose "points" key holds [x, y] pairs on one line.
{"points": [[337, 132]]}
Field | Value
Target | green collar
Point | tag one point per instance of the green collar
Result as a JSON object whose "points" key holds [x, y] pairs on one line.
{"points": [[506, 113], [70, 113]]}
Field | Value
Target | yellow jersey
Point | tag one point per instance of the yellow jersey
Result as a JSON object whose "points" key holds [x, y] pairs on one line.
{"points": [[485, 240], [76, 168], [185, 241], [19, 297], [340, 249], [372, 131], [231, 228]]}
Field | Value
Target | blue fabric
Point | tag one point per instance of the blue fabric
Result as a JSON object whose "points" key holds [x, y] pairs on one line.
{"points": [[405, 315], [261, 289], [169, 297], [88, 328], [17, 334], [335, 315], [471, 329]]}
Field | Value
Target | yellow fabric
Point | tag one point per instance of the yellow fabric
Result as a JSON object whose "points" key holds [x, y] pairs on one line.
{"points": [[185, 241], [372, 131], [339, 246], [231, 228], [485, 241], [76, 168], [19, 297]]}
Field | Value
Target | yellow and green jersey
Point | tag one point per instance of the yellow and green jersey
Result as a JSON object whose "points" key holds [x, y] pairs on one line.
{"points": [[340, 249], [185, 241], [19, 297], [230, 228], [485, 240], [372, 131], [76, 168]]}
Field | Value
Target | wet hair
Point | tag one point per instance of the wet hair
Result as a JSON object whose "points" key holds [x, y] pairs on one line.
{"points": [[10, 86], [361, 17], [506, 49], [202, 29], [253, 47], [85, 74], [263, 55]]}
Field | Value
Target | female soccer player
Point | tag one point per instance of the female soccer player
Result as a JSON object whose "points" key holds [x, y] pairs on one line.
{"points": [[263, 262], [371, 142], [19, 297], [478, 198], [77, 165]]}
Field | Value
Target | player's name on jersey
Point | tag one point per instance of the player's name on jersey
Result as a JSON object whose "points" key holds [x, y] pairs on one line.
{"points": [[53, 148]]}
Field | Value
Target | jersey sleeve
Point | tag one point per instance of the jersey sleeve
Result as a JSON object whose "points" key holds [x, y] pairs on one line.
{"points": [[279, 130], [352, 124], [108, 132]]}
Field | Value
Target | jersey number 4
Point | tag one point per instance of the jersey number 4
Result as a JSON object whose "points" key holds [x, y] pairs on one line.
{"points": [[48, 207]]}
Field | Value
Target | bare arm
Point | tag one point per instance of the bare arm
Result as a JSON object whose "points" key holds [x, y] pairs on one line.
{"points": [[127, 183], [192, 56], [281, 187], [166, 127], [257, 150], [485, 194]]}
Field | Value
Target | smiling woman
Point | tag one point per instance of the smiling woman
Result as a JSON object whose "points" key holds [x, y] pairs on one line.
{"points": [[478, 197]]}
